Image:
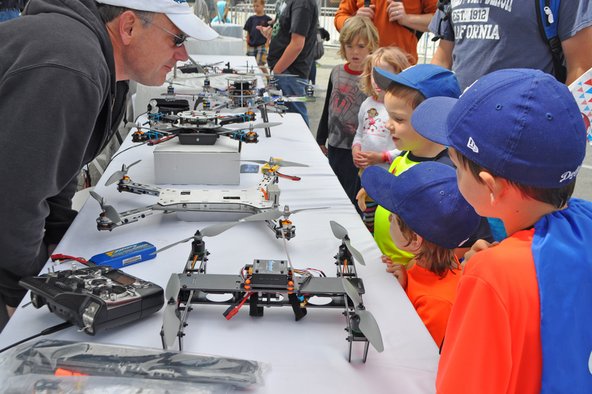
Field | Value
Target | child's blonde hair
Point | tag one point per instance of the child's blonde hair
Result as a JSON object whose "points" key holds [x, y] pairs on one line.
{"points": [[262, 2], [393, 56], [361, 28]]}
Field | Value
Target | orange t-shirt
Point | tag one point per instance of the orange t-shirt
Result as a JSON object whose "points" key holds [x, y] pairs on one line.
{"points": [[388, 33], [493, 338], [432, 297]]}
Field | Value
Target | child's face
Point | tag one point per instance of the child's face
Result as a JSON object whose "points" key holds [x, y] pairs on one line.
{"points": [[385, 66], [399, 124], [258, 7], [476, 193], [398, 238], [356, 52]]}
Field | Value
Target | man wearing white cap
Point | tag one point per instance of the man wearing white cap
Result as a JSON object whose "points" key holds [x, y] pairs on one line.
{"points": [[63, 82]]}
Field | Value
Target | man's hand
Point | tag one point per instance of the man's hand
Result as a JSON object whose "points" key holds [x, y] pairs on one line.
{"points": [[324, 149], [396, 11], [265, 31], [366, 11]]}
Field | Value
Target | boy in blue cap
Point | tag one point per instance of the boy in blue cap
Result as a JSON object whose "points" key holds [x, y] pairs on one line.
{"points": [[522, 318], [404, 92], [431, 278]]}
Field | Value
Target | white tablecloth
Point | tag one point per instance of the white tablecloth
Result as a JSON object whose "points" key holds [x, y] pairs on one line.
{"points": [[308, 356]]}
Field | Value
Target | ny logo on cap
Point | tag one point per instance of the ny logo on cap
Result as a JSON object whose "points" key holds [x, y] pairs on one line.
{"points": [[472, 145]]}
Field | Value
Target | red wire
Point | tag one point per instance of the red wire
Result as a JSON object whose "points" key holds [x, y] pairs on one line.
{"points": [[64, 257]]}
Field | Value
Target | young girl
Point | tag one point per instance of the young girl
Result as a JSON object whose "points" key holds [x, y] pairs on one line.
{"points": [[339, 121], [373, 143]]}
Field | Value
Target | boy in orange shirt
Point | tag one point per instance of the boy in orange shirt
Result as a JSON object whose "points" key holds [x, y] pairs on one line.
{"points": [[429, 218], [521, 322]]}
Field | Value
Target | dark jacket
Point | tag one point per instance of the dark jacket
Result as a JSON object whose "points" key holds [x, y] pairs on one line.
{"points": [[59, 106], [12, 4]]}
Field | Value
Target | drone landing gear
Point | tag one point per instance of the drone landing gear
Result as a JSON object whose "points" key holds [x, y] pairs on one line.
{"points": [[265, 118], [355, 335]]}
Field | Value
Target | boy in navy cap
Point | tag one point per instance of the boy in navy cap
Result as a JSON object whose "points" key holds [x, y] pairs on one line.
{"points": [[521, 322], [405, 91], [431, 278]]}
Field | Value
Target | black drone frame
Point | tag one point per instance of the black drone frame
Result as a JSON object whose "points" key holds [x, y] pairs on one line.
{"points": [[270, 283]]}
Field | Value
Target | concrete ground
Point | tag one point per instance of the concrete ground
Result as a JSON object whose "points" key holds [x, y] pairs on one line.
{"points": [[330, 59], [324, 66]]}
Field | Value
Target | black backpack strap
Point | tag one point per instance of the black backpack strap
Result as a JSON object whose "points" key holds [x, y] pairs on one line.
{"points": [[547, 18]]}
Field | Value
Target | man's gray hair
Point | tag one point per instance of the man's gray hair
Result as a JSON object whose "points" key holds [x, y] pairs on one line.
{"points": [[110, 12]]}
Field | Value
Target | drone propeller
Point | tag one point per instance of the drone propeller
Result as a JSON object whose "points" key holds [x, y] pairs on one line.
{"points": [[117, 175], [280, 162], [219, 228], [275, 75], [367, 323], [308, 83], [110, 212], [341, 233], [171, 81], [175, 244], [171, 321], [264, 125], [274, 214]]}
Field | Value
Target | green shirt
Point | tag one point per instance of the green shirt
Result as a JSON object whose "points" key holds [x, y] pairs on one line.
{"points": [[382, 226]]}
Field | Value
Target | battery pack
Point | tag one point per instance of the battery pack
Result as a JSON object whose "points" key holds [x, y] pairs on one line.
{"points": [[126, 255]]}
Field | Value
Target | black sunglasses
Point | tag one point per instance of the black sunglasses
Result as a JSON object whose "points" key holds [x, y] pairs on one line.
{"points": [[178, 39]]}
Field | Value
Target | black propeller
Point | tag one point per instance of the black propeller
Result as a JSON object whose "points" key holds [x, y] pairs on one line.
{"points": [[341, 233], [367, 323]]}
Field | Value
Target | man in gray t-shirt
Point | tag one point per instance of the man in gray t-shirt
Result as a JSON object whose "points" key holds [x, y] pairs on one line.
{"points": [[482, 36]]}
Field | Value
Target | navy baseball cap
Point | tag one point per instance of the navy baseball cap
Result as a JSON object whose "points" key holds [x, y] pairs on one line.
{"points": [[429, 79], [520, 124], [427, 198]]}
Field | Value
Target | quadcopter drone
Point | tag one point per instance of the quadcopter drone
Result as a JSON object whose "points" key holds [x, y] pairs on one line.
{"points": [[196, 127], [242, 92], [195, 67], [262, 199], [266, 283]]}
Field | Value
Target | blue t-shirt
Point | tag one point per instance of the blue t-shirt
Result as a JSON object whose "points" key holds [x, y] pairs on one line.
{"points": [[490, 35]]}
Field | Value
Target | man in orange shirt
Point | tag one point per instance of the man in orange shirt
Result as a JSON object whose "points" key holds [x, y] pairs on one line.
{"points": [[521, 320], [397, 21]]}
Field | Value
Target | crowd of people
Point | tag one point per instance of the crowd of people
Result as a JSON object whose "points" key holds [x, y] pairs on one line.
{"points": [[430, 154]]}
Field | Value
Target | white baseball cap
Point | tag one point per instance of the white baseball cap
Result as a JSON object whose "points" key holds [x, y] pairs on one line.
{"points": [[178, 11]]}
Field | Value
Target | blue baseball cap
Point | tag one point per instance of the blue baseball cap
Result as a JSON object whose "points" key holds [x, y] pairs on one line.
{"points": [[427, 198], [520, 124], [429, 79]]}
